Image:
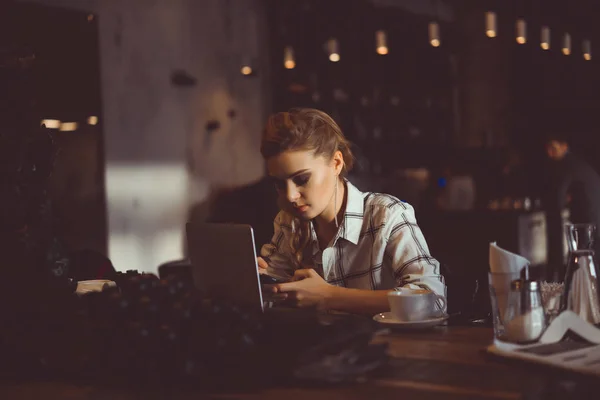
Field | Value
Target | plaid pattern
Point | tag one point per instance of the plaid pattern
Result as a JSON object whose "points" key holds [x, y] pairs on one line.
{"points": [[378, 246]]}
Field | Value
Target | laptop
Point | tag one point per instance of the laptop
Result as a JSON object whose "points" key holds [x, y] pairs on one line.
{"points": [[223, 258], [224, 263]]}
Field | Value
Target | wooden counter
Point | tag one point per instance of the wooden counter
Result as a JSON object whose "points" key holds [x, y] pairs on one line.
{"points": [[447, 362]]}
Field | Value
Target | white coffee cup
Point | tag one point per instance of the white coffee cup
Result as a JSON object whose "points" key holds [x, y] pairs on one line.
{"points": [[415, 304]]}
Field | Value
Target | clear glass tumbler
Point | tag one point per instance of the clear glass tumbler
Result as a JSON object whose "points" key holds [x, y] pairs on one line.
{"points": [[499, 284]]}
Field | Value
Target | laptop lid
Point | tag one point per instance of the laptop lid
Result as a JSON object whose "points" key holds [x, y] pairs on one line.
{"points": [[224, 264]]}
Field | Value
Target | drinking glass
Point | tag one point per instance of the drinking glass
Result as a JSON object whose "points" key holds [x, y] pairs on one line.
{"points": [[580, 236], [499, 284]]}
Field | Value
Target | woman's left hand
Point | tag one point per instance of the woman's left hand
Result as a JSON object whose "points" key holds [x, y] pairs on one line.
{"points": [[307, 289]]}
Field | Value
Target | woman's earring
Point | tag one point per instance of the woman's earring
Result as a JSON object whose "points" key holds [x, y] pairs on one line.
{"points": [[335, 201]]}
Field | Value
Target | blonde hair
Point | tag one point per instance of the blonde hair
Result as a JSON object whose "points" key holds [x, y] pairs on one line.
{"points": [[304, 129]]}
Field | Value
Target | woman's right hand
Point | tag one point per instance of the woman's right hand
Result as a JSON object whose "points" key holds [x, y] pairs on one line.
{"points": [[262, 265]]}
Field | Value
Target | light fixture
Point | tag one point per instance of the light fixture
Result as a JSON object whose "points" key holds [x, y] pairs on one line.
{"points": [[491, 29], [288, 58], [521, 31], [566, 48], [50, 123], [545, 38], [68, 126], [434, 34], [381, 43], [90, 17], [247, 65], [92, 120], [587, 50], [334, 50], [246, 70]]}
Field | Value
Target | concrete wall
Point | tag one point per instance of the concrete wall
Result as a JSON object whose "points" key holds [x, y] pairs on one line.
{"points": [[160, 159]]}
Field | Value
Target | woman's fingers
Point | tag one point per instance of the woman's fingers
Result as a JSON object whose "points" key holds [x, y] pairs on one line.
{"points": [[262, 263]]}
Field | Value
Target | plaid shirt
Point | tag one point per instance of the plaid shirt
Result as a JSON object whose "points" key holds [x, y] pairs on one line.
{"points": [[378, 246]]}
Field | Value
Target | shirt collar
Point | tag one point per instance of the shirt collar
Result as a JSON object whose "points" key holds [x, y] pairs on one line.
{"points": [[353, 216]]}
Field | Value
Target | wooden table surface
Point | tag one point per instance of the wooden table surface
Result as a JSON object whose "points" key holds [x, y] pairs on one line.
{"points": [[446, 362]]}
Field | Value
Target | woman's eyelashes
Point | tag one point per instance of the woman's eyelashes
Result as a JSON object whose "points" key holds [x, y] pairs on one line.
{"points": [[300, 180]]}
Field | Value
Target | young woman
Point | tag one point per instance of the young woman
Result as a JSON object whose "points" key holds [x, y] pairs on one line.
{"points": [[344, 250]]}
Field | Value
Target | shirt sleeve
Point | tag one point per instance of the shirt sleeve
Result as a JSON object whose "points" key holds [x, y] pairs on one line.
{"points": [[412, 264], [278, 252]]}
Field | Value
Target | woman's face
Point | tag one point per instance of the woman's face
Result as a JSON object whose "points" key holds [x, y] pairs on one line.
{"points": [[305, 183]]}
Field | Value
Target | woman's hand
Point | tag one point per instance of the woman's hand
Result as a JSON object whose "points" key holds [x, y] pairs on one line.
{"points": [[308, 289], [262, 265], [270, 292]]}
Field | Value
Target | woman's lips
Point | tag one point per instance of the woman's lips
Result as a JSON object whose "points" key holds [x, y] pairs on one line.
{"points": [[302, 209]]}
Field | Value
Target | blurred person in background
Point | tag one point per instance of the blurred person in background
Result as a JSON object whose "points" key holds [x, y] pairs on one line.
{"points": [[571, 184]]}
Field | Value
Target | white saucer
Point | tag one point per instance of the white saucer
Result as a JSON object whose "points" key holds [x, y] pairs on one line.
{"points": [[388, 319]]}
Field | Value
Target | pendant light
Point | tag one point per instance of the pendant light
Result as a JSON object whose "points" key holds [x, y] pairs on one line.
{"points": [[288, 58], [491, 28], [545, 38], [381, 43], [434, 34], [521, 28]]}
